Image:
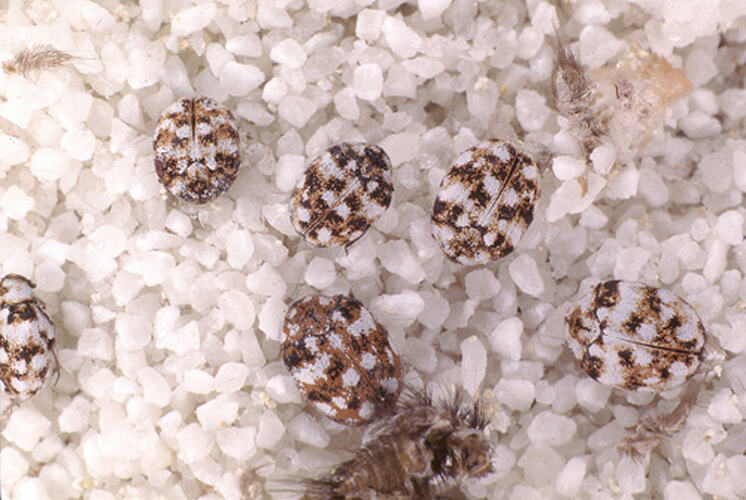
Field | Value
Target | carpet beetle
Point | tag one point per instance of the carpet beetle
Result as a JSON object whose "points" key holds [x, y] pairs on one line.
{"points": [[26, 339], [341, 193], [196, 149], [421, 450], [340, 358], [635, 336], [485, 202]]}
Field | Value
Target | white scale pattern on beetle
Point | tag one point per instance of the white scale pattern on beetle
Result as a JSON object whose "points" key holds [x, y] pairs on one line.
{"points": [[636, 337], [26, 339]]}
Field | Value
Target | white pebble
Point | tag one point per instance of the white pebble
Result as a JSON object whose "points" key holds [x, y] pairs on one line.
{"points": [[271, 430], [481, 284], [198, 382], [529, 42], [570, 479], [345, 103], [13, 150], [306, 429], [237, 308], [597, 45], [193, 19], [179, 223], [431, 9], [717, 173], [505, 339], [274, 90], [525, 274], [31, 487], [296, 110], [591, 395], [723, 407], [133, 331], [531, 109], [15, 203], [426, 67], [239, 79], [25, 427], [436, 309], [629, 263], [630, 474], [79, 144], [95, 343], [194, 443], [320, 273], [289, 53], [110, 239], [245, 45], [567, 167], [681, 490], [231, 377], [401, 147], [729, 227], [239, 248], [237, 442], [551, 429], [698, 125], [282, 388], [396, 257], [399, 309], [289, 169], [402, 39], [266, 281], [367, 81], [369, 24], [74, 416], [15, 467], [48, 164], [603, 158], [155, 389], [516, 394], [217, 413], [271, 317], [152, 13], [700, 66], [473, 364]]}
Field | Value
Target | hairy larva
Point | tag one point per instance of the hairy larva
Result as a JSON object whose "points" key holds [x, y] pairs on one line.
{"points": [[36, 58], [196, 149], [418, 452], [26, 339]]}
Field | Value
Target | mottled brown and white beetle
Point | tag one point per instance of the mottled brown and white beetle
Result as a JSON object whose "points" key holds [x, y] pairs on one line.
{"points": [[485, 202], [26, 339], [196, 149]]}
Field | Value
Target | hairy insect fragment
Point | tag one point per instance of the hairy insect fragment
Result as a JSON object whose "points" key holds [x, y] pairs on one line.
{"points": [[418, 452], [38, 57]]}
